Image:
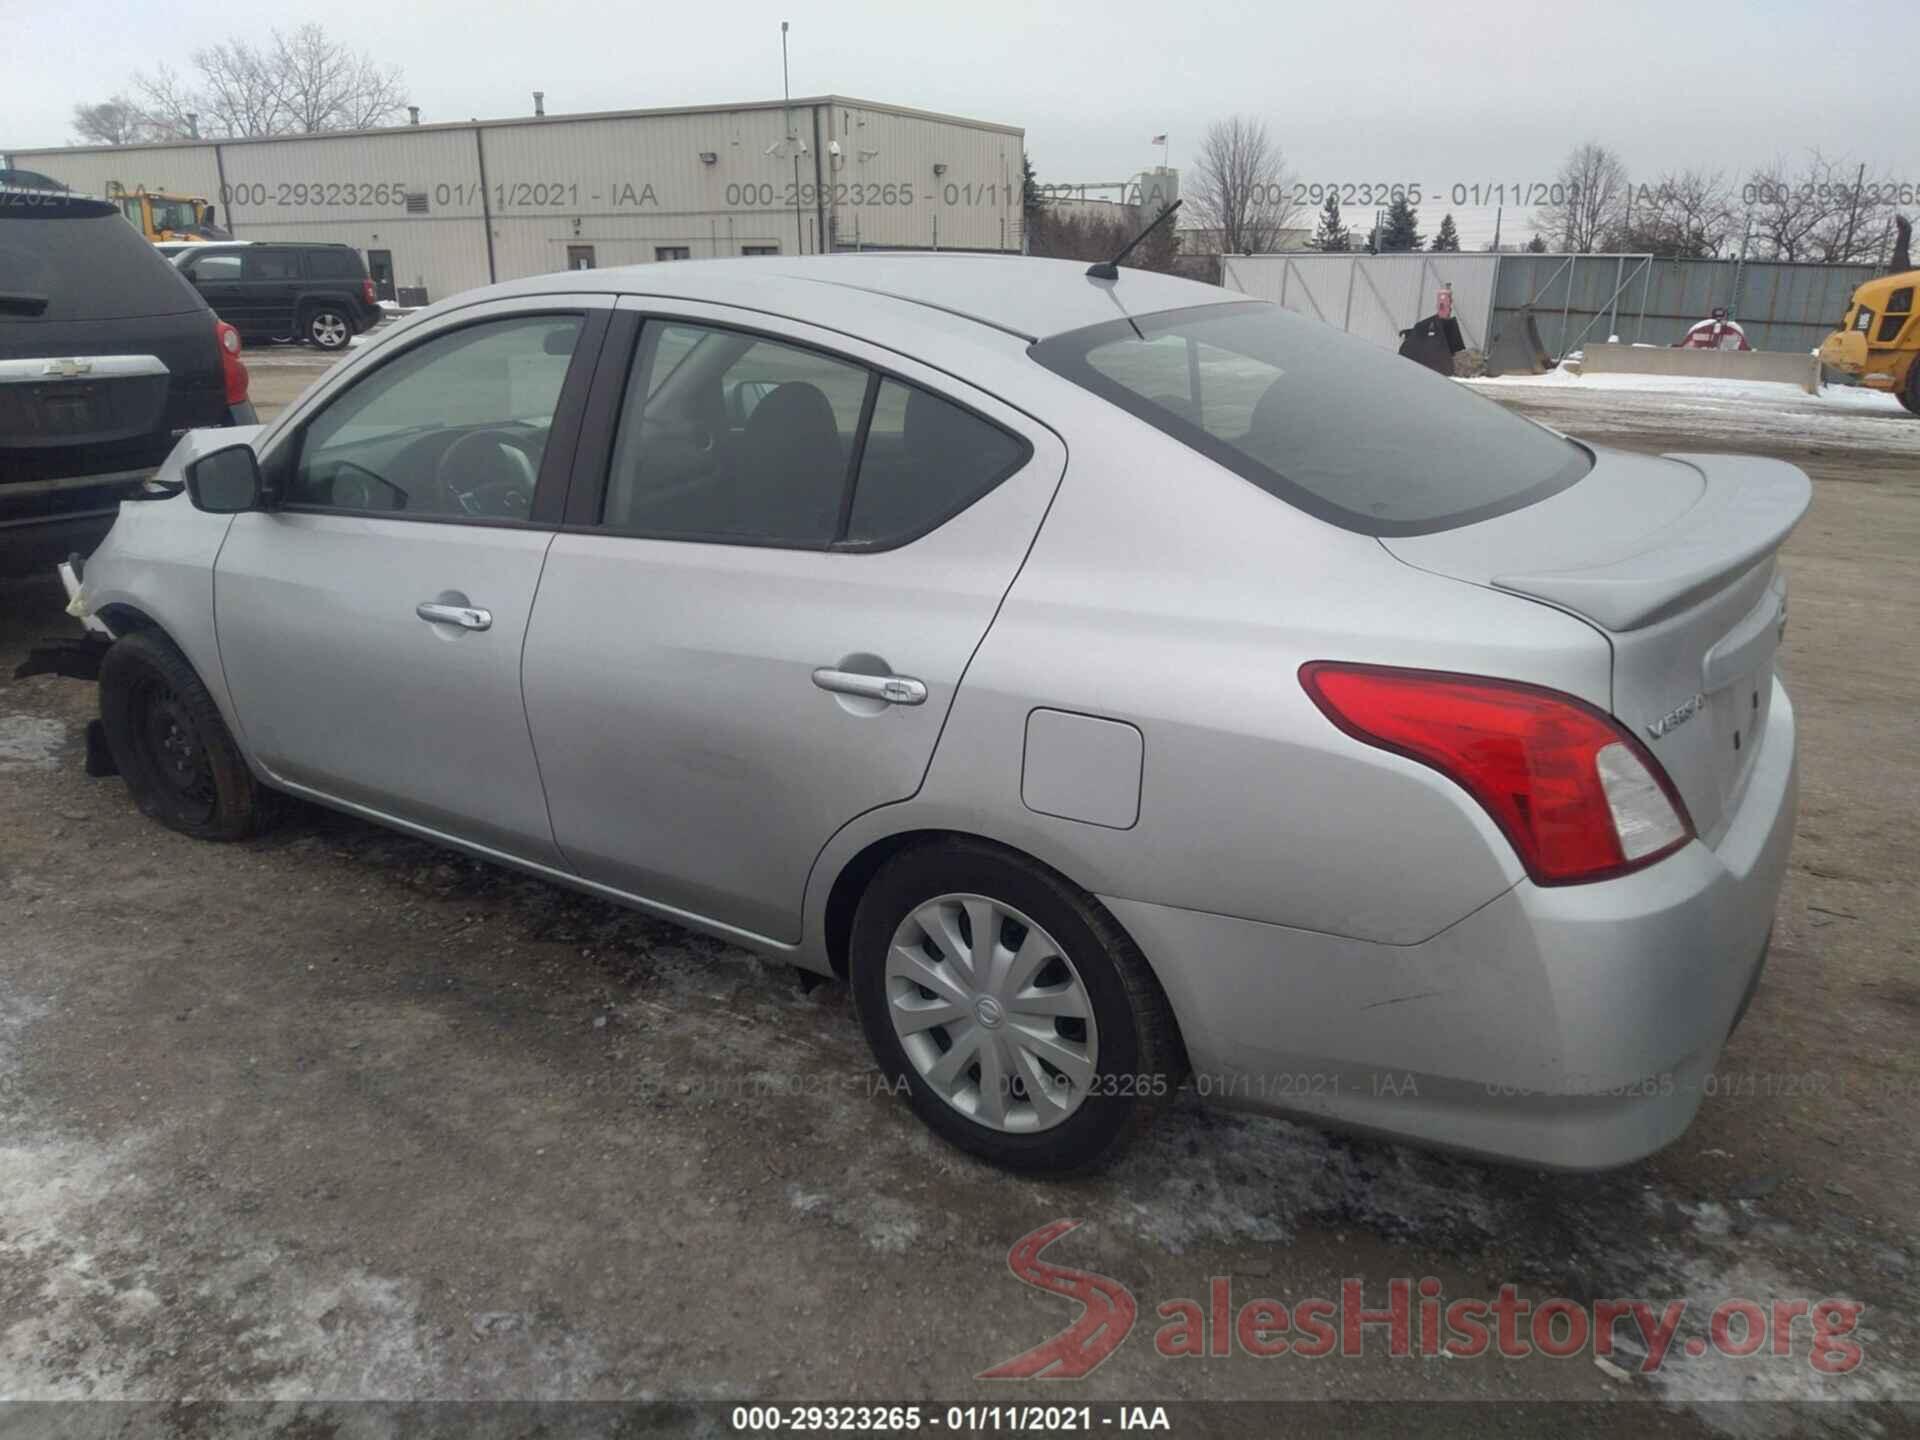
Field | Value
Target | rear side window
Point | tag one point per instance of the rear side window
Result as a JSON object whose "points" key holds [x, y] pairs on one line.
{"points": [[270, 265], [334, 265], [730, 436], [1337, 427], [925, 459], [69, 258]]}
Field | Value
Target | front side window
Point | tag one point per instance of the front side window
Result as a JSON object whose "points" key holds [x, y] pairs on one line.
{"points": [[1337, 427], [455, 428], [216, 267]]}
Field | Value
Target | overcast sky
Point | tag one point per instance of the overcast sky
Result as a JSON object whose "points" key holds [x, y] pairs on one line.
{"points": [[1438, 93]]}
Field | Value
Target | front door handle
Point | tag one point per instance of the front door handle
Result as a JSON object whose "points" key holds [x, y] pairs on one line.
{"points": [[467, 617], [894, 689]]}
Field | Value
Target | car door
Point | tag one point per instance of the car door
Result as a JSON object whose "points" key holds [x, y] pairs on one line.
{"points": [[370, 623], [735, 648], [217, 278], [271, 279]]}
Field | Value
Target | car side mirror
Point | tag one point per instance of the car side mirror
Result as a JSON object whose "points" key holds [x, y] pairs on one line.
{"points": [[226, 482]]}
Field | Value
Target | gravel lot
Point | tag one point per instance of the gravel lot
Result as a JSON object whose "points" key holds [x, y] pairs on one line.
{"points": [[336, 1114]]}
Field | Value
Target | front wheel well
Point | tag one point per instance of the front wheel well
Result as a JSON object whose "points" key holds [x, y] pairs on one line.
{"points": [[124, 619]]}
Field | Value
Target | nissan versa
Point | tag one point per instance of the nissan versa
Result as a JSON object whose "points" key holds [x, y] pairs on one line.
{"points": [[1115, 680]]}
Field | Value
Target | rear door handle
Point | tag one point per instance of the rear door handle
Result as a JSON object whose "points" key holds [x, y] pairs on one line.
{"points": [[894, 689], [467, 617]]}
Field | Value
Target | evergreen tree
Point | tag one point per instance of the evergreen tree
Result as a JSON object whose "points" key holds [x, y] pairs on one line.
{"points": [[1331, 236], [1448, 237], [1536, 246], [1402, 230]]}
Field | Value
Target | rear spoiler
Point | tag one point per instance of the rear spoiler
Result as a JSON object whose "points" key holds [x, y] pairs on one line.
{"points": [[1744, 514]]}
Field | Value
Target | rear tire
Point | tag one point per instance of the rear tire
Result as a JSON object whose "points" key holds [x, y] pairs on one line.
{"points": [[1910, 392], [171, 746], [327, 326], [1067, 985]]}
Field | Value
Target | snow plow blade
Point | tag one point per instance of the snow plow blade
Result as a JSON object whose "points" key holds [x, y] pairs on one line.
{"points": [[1516, 349]]}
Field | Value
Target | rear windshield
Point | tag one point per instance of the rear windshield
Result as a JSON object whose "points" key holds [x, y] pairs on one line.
{"points": [[70, 258], [1338, 427]]}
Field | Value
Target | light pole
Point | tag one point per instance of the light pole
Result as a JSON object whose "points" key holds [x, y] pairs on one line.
{"points": [[786, 93]]}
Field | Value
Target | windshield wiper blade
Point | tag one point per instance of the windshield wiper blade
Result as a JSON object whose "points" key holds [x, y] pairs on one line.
{"points": [[21, 302]]}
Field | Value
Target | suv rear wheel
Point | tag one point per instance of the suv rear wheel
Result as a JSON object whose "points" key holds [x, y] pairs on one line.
{"points": [[328, 326]]}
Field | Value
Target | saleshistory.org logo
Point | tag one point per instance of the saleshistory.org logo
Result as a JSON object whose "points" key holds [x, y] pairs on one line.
{"points": [[1506, 1325]]}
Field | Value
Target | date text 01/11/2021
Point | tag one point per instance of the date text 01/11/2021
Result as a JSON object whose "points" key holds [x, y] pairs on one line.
{"points": [[505, 195]]}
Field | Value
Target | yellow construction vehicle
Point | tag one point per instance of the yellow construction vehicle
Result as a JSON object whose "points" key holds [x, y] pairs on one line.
{"points": [[1878, 343], [159, 215]]}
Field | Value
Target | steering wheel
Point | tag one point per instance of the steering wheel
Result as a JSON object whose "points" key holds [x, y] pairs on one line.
{"points": [[486, 473]]}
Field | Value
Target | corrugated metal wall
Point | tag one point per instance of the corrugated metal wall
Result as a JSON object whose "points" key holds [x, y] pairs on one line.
{"points": [[1373, 296], [1574, 298], [508, 198], [1577, 298], [901, 182]]}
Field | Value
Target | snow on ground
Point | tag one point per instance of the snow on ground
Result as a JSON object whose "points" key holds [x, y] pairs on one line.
{"points": [[1840, 397], [1713, 414]]}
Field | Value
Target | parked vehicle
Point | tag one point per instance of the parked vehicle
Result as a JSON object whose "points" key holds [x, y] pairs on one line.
{"points": [[1878, 343], [273, 291], [12, 179], [160, 215], [106, 358], [1114, 679]]}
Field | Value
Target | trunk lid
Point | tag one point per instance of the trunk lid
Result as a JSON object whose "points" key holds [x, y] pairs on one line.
{"points": [[1673, 559]]}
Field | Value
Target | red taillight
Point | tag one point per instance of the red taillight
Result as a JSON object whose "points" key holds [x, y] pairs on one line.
{"points": [[232, 370], [1579, 798], [366, 291]]}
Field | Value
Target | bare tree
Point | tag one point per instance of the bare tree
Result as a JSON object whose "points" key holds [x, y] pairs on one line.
{"points": [[1585, 199], [301, 84], [1687, 214], [1824, 210], [323, 84], [1073, 233], [1239, 186], [117, 121]]}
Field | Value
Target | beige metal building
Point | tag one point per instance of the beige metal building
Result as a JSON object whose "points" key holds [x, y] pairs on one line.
{"points": [[445, 207]]}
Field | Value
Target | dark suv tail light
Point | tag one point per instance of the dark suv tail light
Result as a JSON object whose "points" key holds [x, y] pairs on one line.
{"points": [[1579, 797], [231, 369], [366, 291]]}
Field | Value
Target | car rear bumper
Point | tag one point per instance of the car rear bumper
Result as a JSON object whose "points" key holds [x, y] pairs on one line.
{"points": [[1573, 1027]]}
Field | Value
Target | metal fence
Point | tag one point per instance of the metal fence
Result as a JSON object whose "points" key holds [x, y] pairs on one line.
{"points": [[1574, 298], [1374, 296]]}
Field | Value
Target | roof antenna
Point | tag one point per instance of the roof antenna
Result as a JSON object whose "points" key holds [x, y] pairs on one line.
{"points": [[1110, 269]]}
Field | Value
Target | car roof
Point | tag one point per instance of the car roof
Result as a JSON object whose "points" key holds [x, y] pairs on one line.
{"points": [[1020, 295]]}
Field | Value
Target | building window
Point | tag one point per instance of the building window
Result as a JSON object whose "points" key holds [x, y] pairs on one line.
{"points": [[759, 249], [580, 257], [672, 252]]}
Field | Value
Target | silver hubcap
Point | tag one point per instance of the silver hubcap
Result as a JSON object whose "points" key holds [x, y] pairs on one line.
{"points": [[329, 330], [991, 1013]]}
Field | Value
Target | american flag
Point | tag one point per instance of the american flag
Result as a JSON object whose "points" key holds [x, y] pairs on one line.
{"points": [[1158, 140]]}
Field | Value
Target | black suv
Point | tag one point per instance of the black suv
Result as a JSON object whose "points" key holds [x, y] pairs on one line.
{"points": [[107, 356], [266, 290]]}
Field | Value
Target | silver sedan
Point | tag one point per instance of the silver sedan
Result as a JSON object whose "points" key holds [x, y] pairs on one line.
{"points": [[1121, 684]]}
